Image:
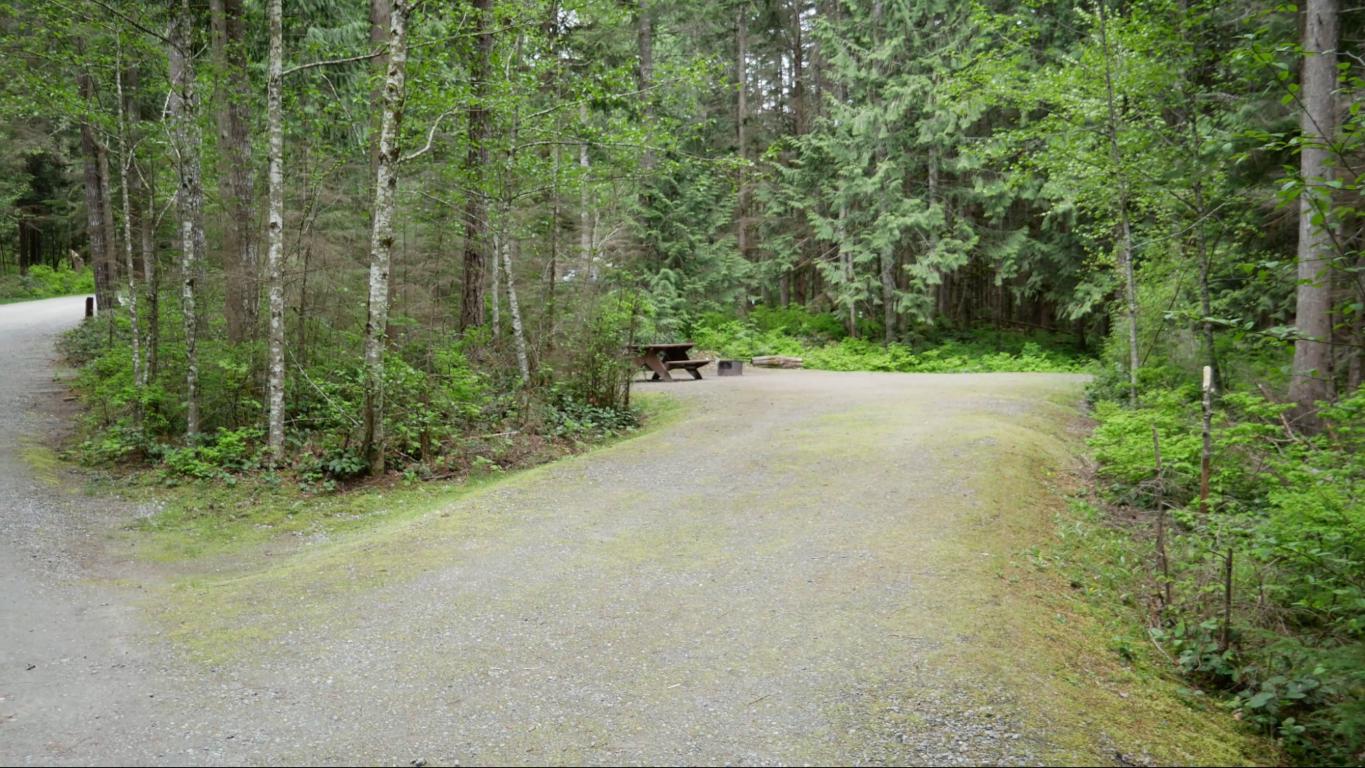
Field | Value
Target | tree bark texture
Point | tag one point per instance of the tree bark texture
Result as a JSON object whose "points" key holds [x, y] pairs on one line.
{"points": [[99, 237], [1317, 124], [476, 210], [741, 127], [126, 164], [275, 234], [151, 276], [514, 309], [182, 108], [110, 239], [382, 238], [381, 15], [585, 199], [644, 77]]}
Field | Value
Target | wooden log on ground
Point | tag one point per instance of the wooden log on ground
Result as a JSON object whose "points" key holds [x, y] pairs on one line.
{"points": [[777, 361]]}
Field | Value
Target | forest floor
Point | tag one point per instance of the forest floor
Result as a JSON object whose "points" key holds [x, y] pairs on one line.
{"points": [[804, 567]]}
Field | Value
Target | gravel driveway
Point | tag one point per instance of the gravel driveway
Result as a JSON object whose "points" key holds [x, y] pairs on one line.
{"points": [[807, 567], [72, 665]]}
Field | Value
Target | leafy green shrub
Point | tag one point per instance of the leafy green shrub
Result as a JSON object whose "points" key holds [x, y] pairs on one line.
{"points": [[597, 370], [1290, 507], [819, 341], [798, 321], [44, 282], [572, 418], [85, 342], [225, 452], [1198, 652], [343, 465]]}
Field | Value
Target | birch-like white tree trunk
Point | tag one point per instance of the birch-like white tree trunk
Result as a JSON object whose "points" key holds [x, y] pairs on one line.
{"points": [[514, 309], [185, 136], [584, 199], [381, 236], [495, 277], [509, 240], [551, 309], [275, 234], [126, 147], [846, 264], [151, 276]]}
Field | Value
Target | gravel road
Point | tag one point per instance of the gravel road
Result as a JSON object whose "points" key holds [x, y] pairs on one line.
{"points": [[72, 661], [807, 567]]}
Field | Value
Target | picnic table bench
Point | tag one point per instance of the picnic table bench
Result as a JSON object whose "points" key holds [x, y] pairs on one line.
{"points": [[664, 358]]}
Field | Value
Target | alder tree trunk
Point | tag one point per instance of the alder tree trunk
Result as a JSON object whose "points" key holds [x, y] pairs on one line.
{"points": [[495, 284], [510, 242], [126, 165], [887, 258], [741, 129], [275, 235], [381, 16], [1317, 122], [514, 309], [585, 199], [96, 232], [644, 83], [381, 237], [888, 275], [799, 123], [551, 312], [231, 94], [182, 109], [644, 79], [94, 215], [110, 239], [846, 264], [151, 275]]}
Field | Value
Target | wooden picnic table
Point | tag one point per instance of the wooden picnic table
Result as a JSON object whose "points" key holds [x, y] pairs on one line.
{"points": [[664, 358]]}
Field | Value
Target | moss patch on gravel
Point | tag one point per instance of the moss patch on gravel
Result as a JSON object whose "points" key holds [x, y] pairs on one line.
{"points": [[213, 518], [1079, 687], [43, 462], [319, 549], [1095, 692]]}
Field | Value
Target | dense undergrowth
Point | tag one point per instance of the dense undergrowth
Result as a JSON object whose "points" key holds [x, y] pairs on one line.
{"points": [[44, 282], [823, 344], [454, 406], [451, 412], [1262, 598]]}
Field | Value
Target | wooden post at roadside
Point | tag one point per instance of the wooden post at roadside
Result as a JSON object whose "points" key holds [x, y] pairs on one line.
{"points": [[89, 306], [1162, 560], [1225, 632], [1206, 456]]}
